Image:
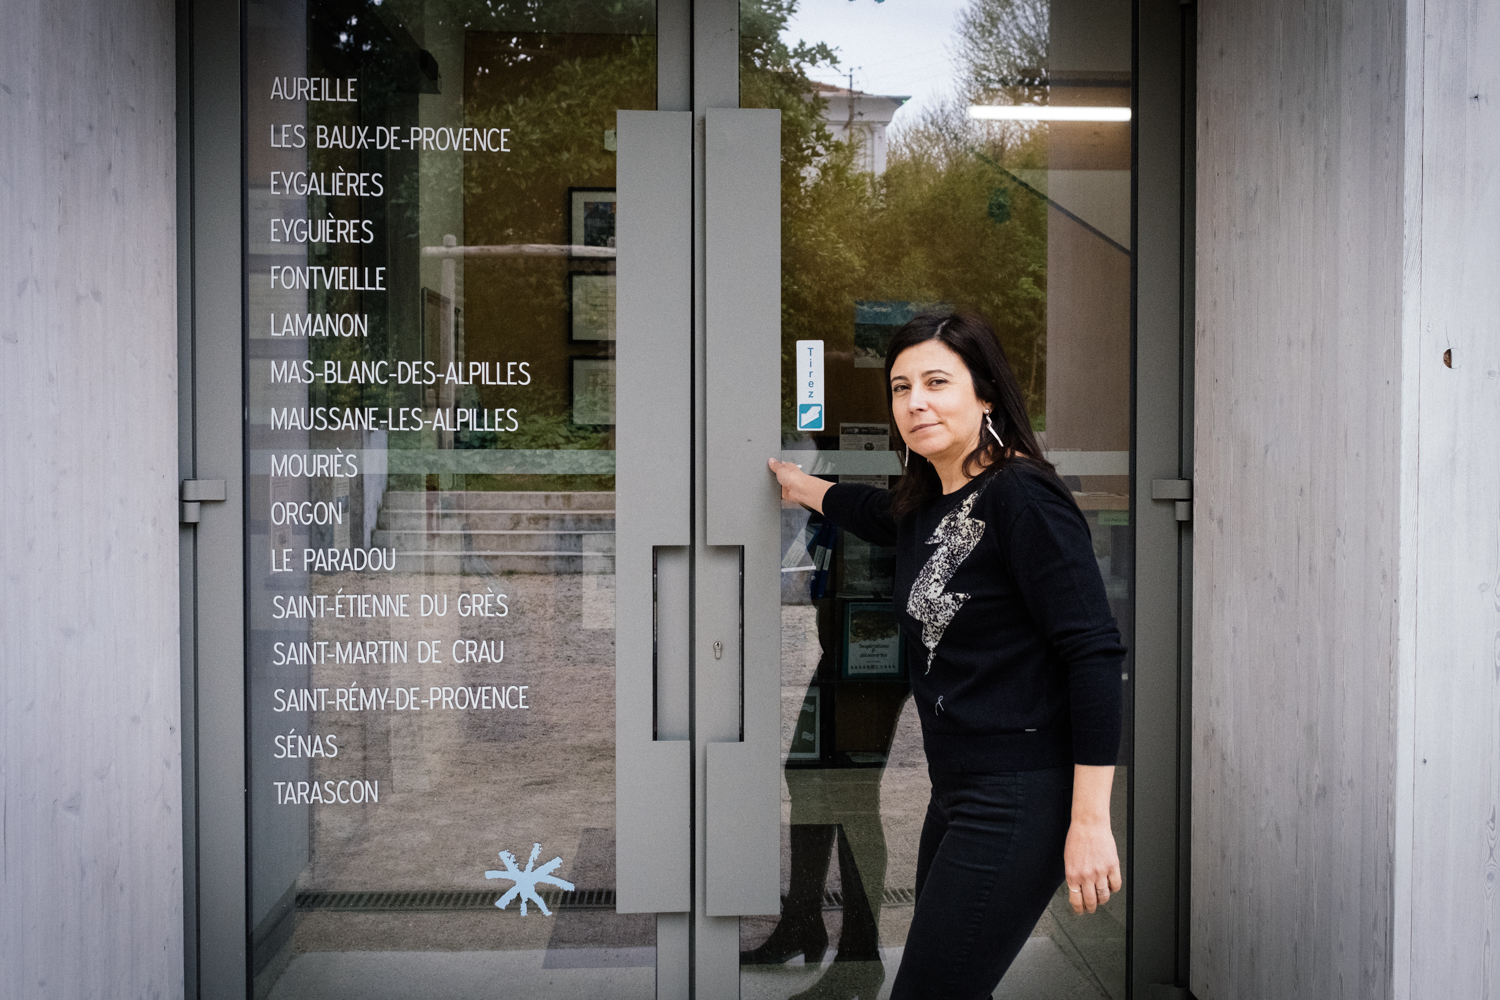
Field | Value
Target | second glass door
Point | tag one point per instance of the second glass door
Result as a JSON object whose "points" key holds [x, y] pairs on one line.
{"points": [[968, 154]]}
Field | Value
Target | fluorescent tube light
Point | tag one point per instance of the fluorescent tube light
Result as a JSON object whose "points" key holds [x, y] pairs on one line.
{"points": [[1047, 113]]}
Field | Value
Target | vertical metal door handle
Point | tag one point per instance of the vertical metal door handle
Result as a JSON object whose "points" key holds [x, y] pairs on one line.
{"points": [[653, 496], [742, 270]]}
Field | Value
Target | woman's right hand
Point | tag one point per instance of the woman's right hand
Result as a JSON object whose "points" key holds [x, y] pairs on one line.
{"points": [[797, 486]]}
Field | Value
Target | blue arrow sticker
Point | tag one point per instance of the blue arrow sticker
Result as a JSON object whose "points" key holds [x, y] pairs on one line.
{"points": [[809, 385]]}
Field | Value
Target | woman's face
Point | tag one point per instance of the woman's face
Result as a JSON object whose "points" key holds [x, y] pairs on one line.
{"points": [[934, 404]]}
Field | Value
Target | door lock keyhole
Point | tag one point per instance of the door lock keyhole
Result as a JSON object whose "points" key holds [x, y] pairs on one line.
{"points": [[718, 650]]}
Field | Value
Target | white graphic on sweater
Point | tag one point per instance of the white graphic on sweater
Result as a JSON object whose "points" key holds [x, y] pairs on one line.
{"points": [[956, 536]]}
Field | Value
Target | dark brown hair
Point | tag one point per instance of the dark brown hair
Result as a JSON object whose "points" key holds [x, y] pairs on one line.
{"points": [[972, 339]]}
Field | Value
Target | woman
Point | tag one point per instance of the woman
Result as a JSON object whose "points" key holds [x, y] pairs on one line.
{"points": [[1016, 665]]}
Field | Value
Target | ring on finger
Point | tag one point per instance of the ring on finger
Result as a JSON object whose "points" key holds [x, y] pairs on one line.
{"points": [[1074, 888]]}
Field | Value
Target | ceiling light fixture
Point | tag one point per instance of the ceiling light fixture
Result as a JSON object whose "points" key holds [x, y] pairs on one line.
{"points": [[1047, 113]]}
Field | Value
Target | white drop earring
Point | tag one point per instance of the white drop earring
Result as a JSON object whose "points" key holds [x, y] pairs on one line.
{"points": [[906, 456], [991, 428]]}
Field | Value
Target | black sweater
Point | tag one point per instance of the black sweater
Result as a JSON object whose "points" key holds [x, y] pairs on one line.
{"points": [[1014, 656]]}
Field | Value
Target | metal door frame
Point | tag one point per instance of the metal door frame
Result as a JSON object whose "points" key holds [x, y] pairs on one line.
{"points": [[211, 379], [698, 56], [1161, 449], [210, 202]]}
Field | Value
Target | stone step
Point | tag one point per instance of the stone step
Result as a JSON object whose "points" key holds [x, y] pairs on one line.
{"points": [[477, 531], [502, 562], [494, 500], [497, 520], [465, 540]]}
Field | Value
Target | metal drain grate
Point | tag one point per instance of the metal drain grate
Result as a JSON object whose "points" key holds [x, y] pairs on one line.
{"points": [[463, 899], [834, 899], [453, 899]]}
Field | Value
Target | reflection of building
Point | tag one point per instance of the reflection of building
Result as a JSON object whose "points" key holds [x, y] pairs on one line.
{"points": [[854, 114]]}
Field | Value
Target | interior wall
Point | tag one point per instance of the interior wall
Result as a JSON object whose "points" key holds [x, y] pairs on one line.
{"points": [[1088, 250], [1298, 457], [91, 860], [1448, 862]]}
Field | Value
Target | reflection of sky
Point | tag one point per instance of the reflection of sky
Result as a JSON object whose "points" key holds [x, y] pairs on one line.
{"points": [[895, 47]]}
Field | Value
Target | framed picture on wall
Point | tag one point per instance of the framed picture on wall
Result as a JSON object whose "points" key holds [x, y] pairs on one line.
{"points": [[591, 305], [872, 641], [805, 741], [591, 217], [594, 391]]}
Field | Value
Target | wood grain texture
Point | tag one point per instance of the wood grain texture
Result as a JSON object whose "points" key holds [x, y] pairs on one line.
{"points": [[1298, 474], [90, 865], [1448, 912]]}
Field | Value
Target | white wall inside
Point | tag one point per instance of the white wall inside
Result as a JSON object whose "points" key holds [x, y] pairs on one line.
{"points": [[91, 860]]}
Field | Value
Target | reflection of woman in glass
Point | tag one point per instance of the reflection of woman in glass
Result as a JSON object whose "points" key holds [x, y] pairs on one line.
{"points": [[1016, 657], [836, 808]]}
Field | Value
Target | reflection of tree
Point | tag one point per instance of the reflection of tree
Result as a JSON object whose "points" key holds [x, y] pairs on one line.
{"points": [[1002, 44], [557, 94], [628, 17], [940, 225]]}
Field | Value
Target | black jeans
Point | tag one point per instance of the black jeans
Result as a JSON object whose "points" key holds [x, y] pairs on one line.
{"points": [[991, 858]]}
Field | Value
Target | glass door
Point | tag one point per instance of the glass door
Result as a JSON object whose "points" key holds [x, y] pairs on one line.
{"points": [[432, 265], [545, 691], [970, 155]]}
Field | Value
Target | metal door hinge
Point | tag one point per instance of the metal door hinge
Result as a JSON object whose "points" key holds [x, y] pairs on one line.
{"points": [[196, 492], [1179, 490]]}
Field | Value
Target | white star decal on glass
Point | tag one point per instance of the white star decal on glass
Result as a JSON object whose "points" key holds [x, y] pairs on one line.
{"points": [[526, 881]]}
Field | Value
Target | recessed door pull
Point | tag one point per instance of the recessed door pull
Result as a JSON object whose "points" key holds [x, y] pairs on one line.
{"points": [[718, 650], [194, 494]]}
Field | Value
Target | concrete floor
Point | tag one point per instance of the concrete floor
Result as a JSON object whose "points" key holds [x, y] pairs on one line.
{"points": [[1041, 972], [454, 975]]}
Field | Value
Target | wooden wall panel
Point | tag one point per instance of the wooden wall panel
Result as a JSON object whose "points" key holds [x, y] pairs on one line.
{"points": [[91, 859], [1448, 893], [1298, 473]]}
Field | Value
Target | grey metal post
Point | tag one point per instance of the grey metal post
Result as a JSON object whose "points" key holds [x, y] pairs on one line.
{"points": [[716, 568], [653, 497], [743, 390], [214, 608], [1158, 798]]}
